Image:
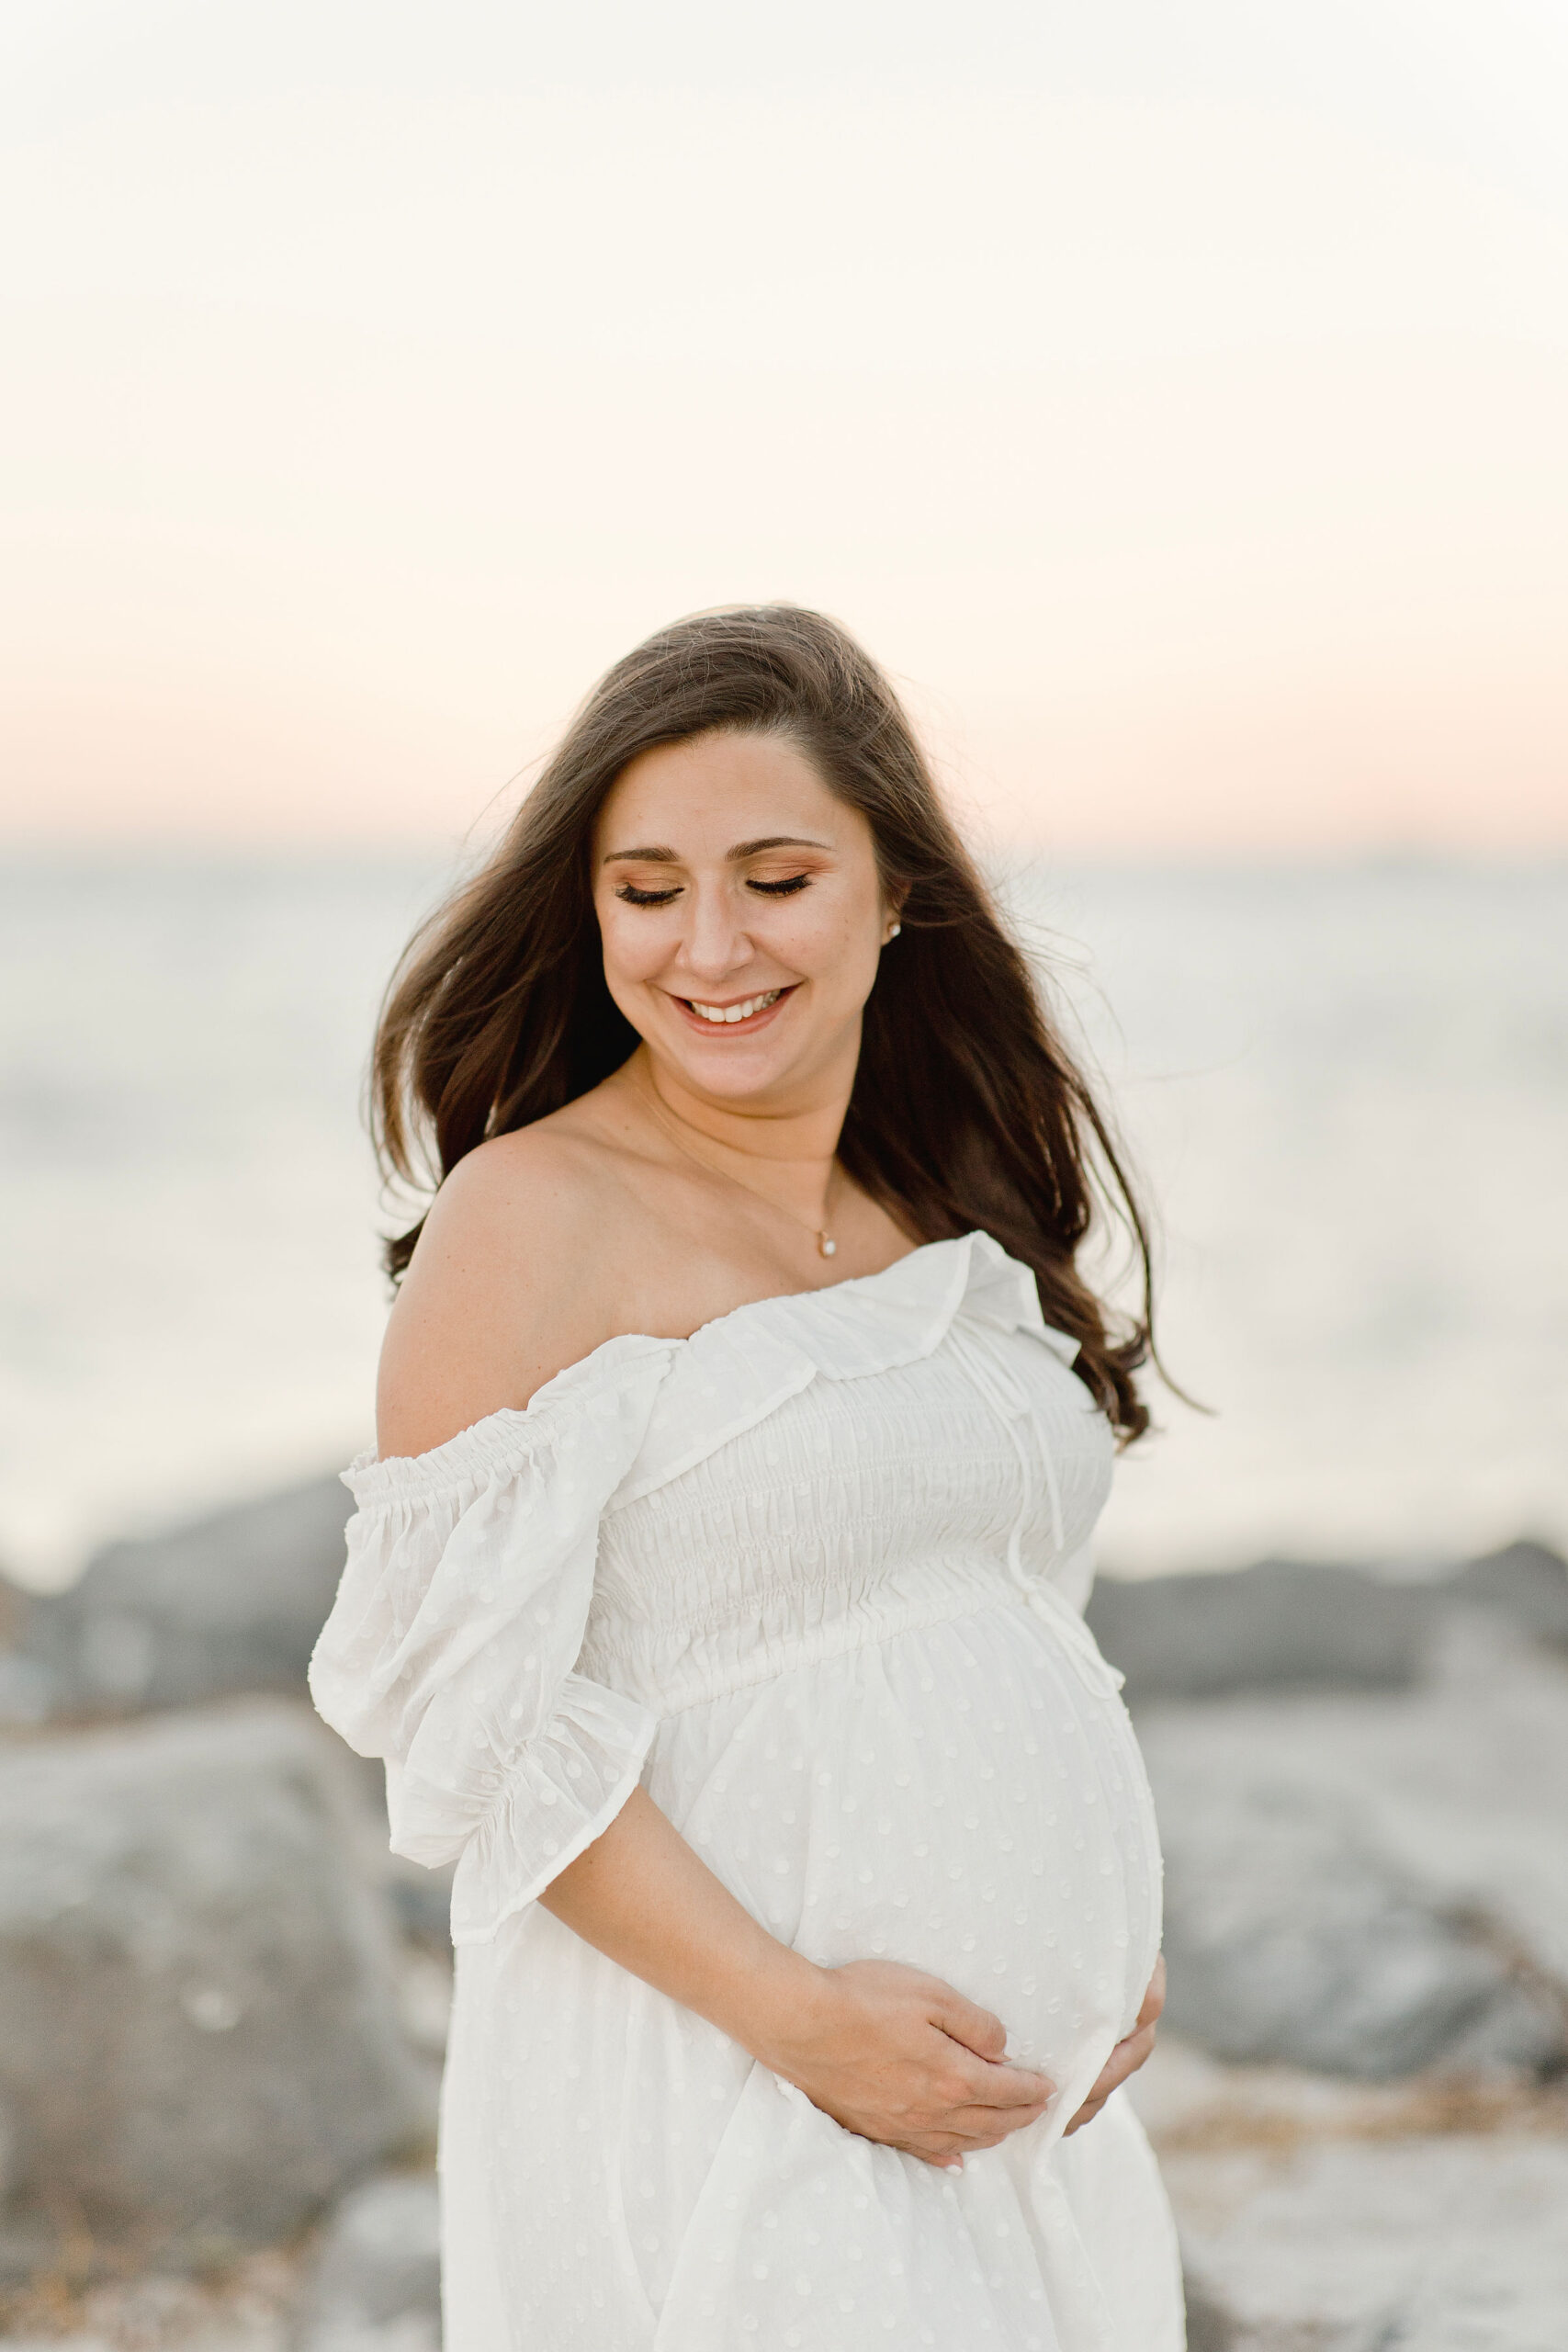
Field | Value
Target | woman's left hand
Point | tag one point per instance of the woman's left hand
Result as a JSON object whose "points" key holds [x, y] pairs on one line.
{"points": [[1129, 2055]]}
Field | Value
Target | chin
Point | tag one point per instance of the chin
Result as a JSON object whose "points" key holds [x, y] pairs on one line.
{"points": [[734, 1071]]}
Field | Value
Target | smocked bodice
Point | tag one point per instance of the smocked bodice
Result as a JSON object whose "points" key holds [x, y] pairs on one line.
{"points": [[856, 1508]]}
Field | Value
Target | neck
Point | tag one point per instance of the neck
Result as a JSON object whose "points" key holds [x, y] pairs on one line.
{"points": [[797, 1136]]}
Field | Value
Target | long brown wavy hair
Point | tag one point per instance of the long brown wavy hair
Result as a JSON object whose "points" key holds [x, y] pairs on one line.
{"points": [[967, 1108]]}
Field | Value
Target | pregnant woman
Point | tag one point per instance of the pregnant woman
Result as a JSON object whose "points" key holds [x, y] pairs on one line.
{"points": [[715, 1599]]}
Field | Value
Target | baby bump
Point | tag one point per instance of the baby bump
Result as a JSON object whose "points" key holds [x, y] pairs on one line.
{"points": [[966, 1797]]}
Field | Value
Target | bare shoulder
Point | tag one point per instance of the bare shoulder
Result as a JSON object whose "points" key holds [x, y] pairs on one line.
{"points": [[511, 1282]]}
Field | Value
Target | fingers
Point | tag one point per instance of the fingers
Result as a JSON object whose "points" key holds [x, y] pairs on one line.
{"points": [[1129, 2055], [998, 2099], [1124, 2060], [948, 2149], [969, 2127], [976, 2028], [1138, 2046], [991, 2083], [997, 2090]]}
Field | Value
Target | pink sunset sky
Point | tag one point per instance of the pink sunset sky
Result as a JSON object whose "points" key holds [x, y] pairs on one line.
{"points": [[1177, 400]]}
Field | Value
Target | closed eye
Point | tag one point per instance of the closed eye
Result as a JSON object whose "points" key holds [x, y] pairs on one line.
{"points": [[780, 889], [633, 897]]}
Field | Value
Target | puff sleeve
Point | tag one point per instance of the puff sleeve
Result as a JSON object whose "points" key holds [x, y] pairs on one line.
{"points": [[452, 1645]]}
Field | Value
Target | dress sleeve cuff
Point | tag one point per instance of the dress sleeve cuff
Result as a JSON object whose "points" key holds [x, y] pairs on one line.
{"points": [[563, 1790]]}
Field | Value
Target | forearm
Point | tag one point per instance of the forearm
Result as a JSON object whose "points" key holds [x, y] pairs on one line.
{"points": [[644, 1898], [887, 2051]]}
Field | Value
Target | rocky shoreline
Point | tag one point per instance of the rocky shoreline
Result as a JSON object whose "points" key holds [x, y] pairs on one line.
{"points": [[222, 2005]]}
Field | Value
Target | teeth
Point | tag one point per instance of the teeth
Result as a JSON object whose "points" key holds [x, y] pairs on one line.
{"points": [[741, 1012]]}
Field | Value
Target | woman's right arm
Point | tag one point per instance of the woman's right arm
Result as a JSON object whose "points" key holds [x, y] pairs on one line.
{"points": [[488, 1312], [887, 2051]]}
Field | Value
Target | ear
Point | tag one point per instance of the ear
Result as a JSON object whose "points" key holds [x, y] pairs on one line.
{"points": [[892, 909]]}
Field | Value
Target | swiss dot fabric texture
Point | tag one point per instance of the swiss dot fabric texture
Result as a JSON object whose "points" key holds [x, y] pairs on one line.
{"points": [[815, 1577]]}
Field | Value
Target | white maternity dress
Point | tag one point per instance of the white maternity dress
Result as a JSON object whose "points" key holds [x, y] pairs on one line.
{"points": [[814, 1576]]}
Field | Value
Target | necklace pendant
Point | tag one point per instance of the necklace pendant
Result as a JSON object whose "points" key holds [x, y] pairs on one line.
{"points": [[828, 1247]]}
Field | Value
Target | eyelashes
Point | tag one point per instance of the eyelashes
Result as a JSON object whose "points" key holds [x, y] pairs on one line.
{"points": [[632, 897]]}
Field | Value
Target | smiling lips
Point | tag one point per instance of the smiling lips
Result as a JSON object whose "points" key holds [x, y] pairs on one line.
{"points": [[749, 1008]]}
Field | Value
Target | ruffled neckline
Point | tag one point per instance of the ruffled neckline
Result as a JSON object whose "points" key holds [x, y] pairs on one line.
{"points": [[731, 1372], [910, 1303]]}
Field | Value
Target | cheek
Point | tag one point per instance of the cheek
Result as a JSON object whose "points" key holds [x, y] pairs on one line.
{"points": [[837, 944], [633, 941]]}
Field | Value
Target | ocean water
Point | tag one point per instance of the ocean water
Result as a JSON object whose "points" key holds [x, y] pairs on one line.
{"points": [[1347, 1091]]}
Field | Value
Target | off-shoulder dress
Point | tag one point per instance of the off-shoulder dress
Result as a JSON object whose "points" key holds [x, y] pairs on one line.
{"points": [[815, 1577]]}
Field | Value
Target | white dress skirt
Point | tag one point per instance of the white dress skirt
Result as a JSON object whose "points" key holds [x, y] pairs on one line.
{"points": [[815, 1577]]}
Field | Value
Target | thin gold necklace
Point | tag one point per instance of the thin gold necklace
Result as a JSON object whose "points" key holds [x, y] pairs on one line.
{"points": [[826, 1244]]}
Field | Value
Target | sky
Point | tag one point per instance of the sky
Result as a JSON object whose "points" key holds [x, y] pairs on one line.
{"points": [[1174, 400]]}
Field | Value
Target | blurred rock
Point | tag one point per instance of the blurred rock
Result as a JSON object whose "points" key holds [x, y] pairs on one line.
{"points": [[15, 1608], [1283, 1624], [1315, 2210], [1291, 1934], [230, 1603], [1442, 2244], [1371, 1888], [424, 1989], [199, 2044], [1287, 1624], [1524, 1582], [377, 2283], [246, 2307], [28, 1691], [421, 1900], [1189, 2101]]}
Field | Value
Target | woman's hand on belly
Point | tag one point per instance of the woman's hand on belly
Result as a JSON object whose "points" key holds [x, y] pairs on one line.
{"points": [[1129, 2055], [886, 2051], [902, 2058]]}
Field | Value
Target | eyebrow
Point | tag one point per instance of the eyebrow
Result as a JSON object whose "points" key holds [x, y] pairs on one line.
{"points": [[659, 855]]}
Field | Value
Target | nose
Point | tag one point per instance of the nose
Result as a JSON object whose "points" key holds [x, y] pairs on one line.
{"points": [[716, 943]]}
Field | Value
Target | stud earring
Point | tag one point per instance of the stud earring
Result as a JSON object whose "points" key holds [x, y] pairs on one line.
{"points": [[896, 929]]}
